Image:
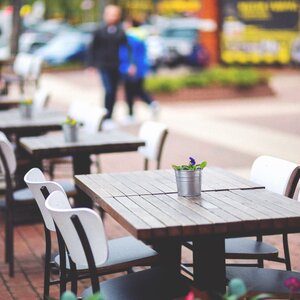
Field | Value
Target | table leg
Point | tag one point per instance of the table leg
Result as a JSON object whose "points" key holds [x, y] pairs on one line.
{"points": [[209, 264], [170, 254], [82, 165]]}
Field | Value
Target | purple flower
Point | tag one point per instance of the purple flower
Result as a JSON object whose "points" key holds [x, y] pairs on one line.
{"points": [[292, 283], [192, 161]]}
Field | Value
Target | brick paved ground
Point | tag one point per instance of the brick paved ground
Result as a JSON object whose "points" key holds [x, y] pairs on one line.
{"points": [[229, 134]]}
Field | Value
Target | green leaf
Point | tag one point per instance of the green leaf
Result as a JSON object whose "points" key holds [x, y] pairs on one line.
{"points": [[96, 296], [203, 165], [262, 296]]}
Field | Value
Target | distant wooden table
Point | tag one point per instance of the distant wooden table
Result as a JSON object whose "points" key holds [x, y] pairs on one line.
{"points": [[11, 122], [4, 62], [7, 102], [149, 208], [99, 143]]}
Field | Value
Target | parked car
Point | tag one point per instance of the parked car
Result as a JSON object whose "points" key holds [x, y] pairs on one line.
{"points": [[66, 46], [40, 34], [181, 39]]}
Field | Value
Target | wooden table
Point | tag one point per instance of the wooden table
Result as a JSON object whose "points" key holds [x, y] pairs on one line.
{"points": [[11, 122], [7, 102], [103, 142], [158, 216]]}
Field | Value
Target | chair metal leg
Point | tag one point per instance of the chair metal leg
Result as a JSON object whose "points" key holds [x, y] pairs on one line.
{"points": [[9, 242], [146, 164], [286, 252], [260, 262], [47, 264], [73, 276]]}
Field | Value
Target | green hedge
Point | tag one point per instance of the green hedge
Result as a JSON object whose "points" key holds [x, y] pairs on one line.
{"points": [[231, 76]]}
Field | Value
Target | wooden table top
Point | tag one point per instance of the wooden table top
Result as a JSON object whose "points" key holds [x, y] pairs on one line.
{"points": [[156, 182], [101, 142], [12, 122], [232, 212], [7, 102]]}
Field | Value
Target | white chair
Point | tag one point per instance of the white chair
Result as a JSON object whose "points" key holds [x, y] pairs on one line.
{"points": [[91, 118], [36, 70], [89, 115], [278, 176], [16, 200], [154, 134], [281, 177], [83, 233], [40, 99], [40, 189], [22, 67]]}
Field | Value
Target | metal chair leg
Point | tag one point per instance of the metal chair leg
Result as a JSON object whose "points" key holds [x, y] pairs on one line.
{"points": [[47, 264], [286, 252], [146, 164], [260, 262]]}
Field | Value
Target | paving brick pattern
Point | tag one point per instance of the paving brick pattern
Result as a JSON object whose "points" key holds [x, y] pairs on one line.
{"points": [[187, 121]]}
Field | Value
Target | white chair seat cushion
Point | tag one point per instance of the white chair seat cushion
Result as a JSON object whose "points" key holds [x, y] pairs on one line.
{"points": [[23, 195], [68, 187], [248, 248], [122, 250]]}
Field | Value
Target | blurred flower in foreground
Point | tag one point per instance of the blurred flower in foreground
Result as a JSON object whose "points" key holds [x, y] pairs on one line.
{"points": [[293, 284]]}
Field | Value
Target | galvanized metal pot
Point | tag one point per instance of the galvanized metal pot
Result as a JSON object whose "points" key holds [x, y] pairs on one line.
{"points": [[26, 111], [70, 133], [188, 182]]}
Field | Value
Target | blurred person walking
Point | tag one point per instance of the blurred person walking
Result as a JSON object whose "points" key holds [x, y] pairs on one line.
{"points": [[134, 67], [104, 56]]}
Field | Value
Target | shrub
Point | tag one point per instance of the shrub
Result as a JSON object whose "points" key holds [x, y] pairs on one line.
{"points": [[230, 76], [163, 84]]}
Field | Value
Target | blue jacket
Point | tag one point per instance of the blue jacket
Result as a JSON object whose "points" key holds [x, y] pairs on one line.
{"points": [[135, 53]]}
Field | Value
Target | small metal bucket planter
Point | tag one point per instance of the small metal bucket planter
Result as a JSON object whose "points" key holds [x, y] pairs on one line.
{"points": [[70, 133], [26, 111], [188, 182]]}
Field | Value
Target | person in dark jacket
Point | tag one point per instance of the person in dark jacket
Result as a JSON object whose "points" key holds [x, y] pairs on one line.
{"points": [[104, 53]]}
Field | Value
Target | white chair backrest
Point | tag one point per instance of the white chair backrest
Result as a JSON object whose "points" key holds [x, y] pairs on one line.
{"points": [[9, 154], [40, 99], [274, 173], [35, 180], [23, 64], [298, 196], [91, 116], [91, 222], [152, 133], [36, 67]]}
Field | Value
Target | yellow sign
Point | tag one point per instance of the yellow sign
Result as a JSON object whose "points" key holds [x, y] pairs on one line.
{"points": [[259, 32], [178, 6]]}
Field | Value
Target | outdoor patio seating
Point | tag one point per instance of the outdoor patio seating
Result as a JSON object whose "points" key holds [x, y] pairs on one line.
{"points": [[90, 117], [26, 69], [154, 134], [16, 200], [279, 176], [124, 252], [83, 232]]}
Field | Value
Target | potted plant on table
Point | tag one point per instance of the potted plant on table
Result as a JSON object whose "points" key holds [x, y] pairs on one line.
{"points": [[26, 108], [70, 129], [188, 178]]}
